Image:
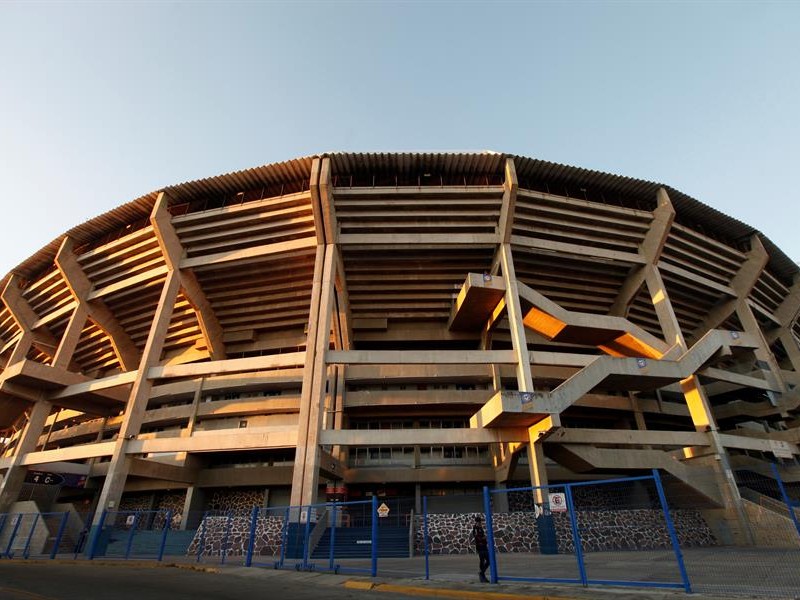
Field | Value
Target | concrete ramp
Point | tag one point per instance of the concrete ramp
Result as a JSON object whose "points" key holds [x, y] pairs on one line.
{"points": [[480, 301], [478, 298], [614, 373], [585, 458], [614, 335]]}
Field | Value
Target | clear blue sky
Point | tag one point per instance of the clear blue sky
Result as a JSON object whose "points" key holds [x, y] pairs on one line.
{"points": [[103, 102]]}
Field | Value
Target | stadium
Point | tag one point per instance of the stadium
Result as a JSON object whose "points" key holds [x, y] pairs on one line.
{"points": [[353, 325]]}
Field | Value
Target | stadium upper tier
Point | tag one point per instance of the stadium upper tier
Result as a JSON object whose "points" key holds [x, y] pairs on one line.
{"points": [[485, 272]]}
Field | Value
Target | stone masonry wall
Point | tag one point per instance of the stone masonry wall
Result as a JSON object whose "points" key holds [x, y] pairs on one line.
{"points": [[243, 499], [638, 529], [210, 536]]}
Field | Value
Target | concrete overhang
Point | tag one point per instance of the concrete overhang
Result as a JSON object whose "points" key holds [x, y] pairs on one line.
{"points": [[514, 409], [30, 381], [477, 299]]}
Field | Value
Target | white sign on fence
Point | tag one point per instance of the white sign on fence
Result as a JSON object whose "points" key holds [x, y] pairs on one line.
{"points": [[383, 510], [130, 520], [306, 514], [558, 502], [781, 449]]}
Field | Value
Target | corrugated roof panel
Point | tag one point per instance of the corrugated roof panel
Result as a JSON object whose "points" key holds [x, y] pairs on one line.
{"points": [[412, 163]]}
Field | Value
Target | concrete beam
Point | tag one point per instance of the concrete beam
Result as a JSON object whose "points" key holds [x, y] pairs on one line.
{"points": [[81, 288]]}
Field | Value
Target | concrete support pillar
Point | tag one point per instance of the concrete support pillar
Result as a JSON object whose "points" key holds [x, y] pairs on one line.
{"points": [[418, 498], [518, 340], [537, 468], [193, 507], [305, 477], [500, 500], [536, 461], [80, 287], [766, 361], [650, 249], [15, 476], [71, 337], [792, 349], [699, 406], [140, 393], [198, 395]]}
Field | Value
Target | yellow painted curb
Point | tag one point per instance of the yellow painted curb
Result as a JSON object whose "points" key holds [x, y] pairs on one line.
{"points": [[354, 584], [447, 593]]}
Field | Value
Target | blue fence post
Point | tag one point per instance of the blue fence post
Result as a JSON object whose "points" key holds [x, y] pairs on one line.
{"points": [[14, 531], [332, 549], [673, 536], [785, 497], [82, 545], [374, 536], [425, 535], [96, 535], [26, 552], [201, 546], [284, 537], [307, 538], [131, 535], [576, 535], [224, 549], [62, 526], [164, 535], [487, 511], [251, 543]]}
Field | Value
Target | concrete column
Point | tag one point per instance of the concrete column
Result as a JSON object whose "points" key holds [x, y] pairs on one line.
{"points": [[792, 349], [518, 340], [15, 476], [193, 507], [80, 286], [500, 500], [650, 249], [767, 363], [140, 394], [537, 468], [198, 395], [71, 337], [536, 462], [699, 406], [305, 477]]}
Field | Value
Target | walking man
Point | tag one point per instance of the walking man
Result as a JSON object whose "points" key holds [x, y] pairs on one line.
{"points": [[482, 547]]}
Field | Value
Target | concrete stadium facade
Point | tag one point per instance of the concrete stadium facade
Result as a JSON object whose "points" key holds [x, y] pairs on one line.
{"points": [[400, 325]]}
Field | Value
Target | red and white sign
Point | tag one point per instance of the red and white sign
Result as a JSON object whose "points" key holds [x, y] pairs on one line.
{"points": [[558, 502]]}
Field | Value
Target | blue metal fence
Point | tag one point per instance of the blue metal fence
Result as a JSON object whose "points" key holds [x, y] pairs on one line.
{"points": [[607, 532]]}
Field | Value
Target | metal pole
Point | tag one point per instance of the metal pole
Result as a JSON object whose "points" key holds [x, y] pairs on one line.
{"points": [[17, 523], [576, 535], [26, 551], [224, 548], [284, 537], [425, 535], [687, 586], [96, 535], [164, 535], [332, 551], [487, 511], [251, 543], [785, 496], [306, 537], [374, 536], [62, 526], [131, 535]]}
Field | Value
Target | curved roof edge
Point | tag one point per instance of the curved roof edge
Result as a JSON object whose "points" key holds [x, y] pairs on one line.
{"points": [[467, 163]]}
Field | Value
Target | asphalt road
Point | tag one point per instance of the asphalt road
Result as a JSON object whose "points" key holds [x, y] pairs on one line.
{"points": [[42, 581]]}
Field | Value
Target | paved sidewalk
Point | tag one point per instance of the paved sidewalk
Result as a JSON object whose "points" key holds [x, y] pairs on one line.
{"points": [[413, 586]]}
